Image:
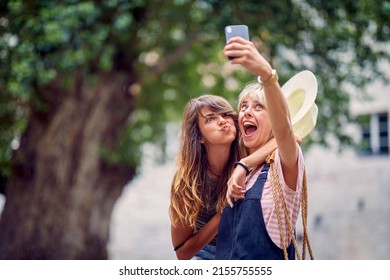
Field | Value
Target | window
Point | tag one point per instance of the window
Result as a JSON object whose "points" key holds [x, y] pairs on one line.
{"points": [[383, 120], [374, 134], [365, 146]]}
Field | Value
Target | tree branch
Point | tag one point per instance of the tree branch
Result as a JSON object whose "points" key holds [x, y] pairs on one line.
{"points": [[175, 55]]}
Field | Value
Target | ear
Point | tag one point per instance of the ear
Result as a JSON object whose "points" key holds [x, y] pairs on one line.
{"points": [[201, 140]]}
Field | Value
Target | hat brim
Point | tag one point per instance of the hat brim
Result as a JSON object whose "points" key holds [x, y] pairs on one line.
{"points": [[300, 92]]}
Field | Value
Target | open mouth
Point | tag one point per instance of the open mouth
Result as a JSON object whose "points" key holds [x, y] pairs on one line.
{"points": [[249, 128]]}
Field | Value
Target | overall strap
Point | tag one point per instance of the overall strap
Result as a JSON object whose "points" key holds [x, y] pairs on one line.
{"points": [[257, 190]]}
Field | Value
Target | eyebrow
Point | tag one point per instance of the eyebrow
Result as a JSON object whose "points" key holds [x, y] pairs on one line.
{"points": [[208, 115], [256, 101]]}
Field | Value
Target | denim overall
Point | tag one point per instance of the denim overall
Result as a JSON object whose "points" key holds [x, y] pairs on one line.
{"points": [[242, 233]]}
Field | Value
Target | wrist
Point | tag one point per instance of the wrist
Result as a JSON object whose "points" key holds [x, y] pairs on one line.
{"points": [[244, 166], [273, 78]]}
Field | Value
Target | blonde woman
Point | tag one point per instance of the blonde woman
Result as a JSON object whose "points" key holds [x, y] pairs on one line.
{"points": [[249, 229]]}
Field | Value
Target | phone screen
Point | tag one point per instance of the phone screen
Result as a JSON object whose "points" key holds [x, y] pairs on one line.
{"points": [[236, 30]]}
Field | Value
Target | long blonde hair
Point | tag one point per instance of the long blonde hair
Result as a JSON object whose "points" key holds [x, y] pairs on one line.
{"points": [[189, 181]]}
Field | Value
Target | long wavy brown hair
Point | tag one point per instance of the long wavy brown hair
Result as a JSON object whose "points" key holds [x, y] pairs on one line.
{"points": [[189, 182]]}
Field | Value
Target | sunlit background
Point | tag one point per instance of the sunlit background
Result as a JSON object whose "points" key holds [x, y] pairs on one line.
{"points": [[91, 97]]}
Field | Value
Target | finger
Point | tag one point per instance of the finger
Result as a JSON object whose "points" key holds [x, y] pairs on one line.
{"points": [[237, 197], [236, 186], [229, 201], [237, 39], [233, 53], [238, 193], [237, 189]]}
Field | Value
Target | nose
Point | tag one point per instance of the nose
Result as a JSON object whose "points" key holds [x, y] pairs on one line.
{"points": [[248, 113], [221, 120]]}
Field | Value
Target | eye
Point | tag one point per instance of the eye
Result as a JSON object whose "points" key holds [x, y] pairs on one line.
{"points": [[259, 107], [210, 119], [244, 107]]}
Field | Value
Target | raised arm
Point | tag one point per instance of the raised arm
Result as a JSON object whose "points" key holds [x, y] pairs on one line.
{"points": [[248, 56]]}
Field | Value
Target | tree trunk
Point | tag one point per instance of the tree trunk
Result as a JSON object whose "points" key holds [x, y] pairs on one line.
{"points": [[59, 202]]}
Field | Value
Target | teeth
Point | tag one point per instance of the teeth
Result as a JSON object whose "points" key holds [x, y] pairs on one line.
{"points": [[248, 124]]}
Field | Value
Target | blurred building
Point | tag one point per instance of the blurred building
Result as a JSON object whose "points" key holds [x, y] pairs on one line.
{"points": [[349, 191]]}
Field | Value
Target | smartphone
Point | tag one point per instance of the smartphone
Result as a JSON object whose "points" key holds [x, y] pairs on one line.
{"points": [[236, 30]]}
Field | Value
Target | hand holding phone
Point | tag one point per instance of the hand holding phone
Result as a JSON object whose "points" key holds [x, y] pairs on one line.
{"points": [[236, 31]]}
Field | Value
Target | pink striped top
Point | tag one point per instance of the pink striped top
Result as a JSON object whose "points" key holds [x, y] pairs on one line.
{"points": [[292, 199]]}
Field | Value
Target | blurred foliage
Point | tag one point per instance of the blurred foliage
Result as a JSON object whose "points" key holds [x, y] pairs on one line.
{"points": [[176, 49]]}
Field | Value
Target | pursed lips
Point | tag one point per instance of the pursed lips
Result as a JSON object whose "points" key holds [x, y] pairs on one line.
{"points": [[226, 127]]}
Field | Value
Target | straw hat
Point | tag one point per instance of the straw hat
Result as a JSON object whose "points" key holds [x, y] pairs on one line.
{"points": [[301, 92]]}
